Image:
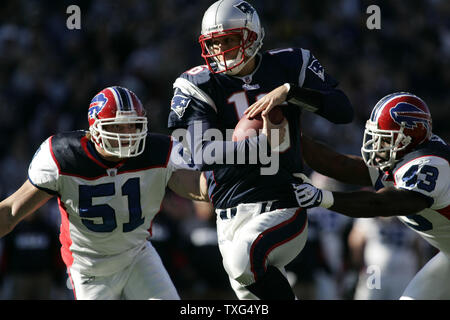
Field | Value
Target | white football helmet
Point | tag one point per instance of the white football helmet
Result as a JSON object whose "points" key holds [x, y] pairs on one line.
{"points": [[117, 106], [399, 122], [224, 18]]}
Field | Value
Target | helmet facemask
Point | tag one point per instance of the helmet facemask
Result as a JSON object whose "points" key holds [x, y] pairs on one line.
{"points": [[246, 50], [122, 145], [381, 148]]}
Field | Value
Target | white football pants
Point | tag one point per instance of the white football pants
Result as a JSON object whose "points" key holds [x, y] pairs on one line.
{"points": [[145, 279], [250, 241]]}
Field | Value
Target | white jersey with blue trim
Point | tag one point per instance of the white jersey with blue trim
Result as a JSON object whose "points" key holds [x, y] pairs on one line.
{"points": [[106, 210], [425, 170]]}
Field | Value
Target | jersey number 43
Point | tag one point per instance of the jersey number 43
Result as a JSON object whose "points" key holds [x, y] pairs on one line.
{"points": [[426, 181]]}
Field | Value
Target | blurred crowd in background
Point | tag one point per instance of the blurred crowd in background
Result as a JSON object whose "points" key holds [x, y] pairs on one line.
{"points": [[50, 73]]}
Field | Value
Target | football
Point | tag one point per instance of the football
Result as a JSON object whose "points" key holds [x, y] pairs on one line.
{"points": [[249, 127]]}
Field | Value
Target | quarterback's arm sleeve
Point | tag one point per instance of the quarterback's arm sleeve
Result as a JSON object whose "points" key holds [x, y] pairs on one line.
{"points": [[332, 104], [208, 154]]}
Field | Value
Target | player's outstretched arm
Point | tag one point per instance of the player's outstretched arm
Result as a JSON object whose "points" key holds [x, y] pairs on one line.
{"points": [[189, 184], [21, 203], [386, 202], [345, 168]]}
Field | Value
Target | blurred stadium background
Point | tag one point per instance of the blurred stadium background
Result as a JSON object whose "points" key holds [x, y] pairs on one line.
{"points": [[49, 74]]}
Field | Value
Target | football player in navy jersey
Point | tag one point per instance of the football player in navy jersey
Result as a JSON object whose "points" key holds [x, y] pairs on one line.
{"points": [[110, 183], [260, 226], [409, 168]]}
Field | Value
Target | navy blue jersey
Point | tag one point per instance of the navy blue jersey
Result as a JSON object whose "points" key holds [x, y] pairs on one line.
{"points": [[220, 100]]}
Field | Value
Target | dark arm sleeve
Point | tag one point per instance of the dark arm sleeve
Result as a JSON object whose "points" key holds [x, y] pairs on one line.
{"points": [[331, 103]]}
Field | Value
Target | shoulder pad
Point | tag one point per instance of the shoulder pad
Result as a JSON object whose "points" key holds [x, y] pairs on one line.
{"points": [[198, 75], [195, 85], [292, 59]]}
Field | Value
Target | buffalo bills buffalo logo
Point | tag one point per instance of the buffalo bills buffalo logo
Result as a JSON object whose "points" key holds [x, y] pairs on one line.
{"points": [[410, 115], [97, 104]]}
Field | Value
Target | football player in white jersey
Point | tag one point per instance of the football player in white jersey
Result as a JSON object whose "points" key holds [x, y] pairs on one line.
{"points": [[110, 183], [409, 169]]}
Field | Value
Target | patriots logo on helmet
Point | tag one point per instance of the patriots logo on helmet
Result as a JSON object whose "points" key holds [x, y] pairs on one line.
{"points": [[97, 104], [245, 7], [410, 115]]}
